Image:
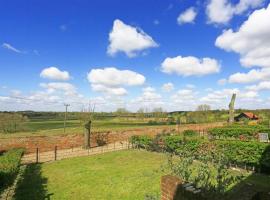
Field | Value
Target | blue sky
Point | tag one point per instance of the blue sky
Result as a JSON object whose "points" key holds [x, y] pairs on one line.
{"points": [[179, 54]]}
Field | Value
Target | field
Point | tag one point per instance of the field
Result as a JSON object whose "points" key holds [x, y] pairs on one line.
{"points": [[114, 176], [45, 127]]}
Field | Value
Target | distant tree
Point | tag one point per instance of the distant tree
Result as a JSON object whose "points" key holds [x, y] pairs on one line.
{"points": [[203, 107], [121, 111], [141, 113], [12, 122]]}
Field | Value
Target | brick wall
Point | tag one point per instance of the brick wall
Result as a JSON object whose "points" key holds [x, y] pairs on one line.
{"points": [[172, 188]]}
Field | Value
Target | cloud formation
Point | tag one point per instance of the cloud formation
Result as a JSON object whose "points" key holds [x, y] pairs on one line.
{"points": [[112, 81], [11, 48], [251, 41], [54, 73], [222, 11], [188, 16], [189, 66], [167, 87], [128, 39]]}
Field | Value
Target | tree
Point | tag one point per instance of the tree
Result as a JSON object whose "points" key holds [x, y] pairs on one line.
{"points": [[203, 107], [86, 117], [12, 122]]}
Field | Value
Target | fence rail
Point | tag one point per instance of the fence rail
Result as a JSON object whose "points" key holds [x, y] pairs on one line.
{"points": [[59, 154]]}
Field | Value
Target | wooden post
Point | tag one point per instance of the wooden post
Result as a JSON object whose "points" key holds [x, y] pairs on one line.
{"points": [[37, 155], [55, 153]]}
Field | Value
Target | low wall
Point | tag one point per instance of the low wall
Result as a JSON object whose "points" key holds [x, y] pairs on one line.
{"points": [[47, 143]]}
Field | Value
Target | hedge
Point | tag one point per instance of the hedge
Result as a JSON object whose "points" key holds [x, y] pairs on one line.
{"points": [[9, 166], [248, 153], [236, 132]]}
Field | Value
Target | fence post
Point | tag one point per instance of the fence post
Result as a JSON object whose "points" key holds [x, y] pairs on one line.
{"points": [[55, 153], [114, 145], [37, 155]]}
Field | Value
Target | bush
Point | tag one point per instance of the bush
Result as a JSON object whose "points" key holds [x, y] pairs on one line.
{"points": [[141, 141], [9, 166], [172, 142], [237, 131], [190, 133]]}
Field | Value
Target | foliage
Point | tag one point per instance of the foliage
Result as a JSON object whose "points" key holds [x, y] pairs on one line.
{"points": [[190, 133], [172, 142], [141, 141], [12, 122], [9, 166], [236, 131], [203, 107]]}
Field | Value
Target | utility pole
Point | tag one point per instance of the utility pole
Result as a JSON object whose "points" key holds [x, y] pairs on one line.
{"points": [[66, 105]]}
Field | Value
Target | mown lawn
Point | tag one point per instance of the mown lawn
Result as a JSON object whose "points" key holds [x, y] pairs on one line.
{"points": [[116, 175]]}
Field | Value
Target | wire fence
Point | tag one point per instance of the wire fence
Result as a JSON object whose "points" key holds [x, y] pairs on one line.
{"points": [[59, 154]]}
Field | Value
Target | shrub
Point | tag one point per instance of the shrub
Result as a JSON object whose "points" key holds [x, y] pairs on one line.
{"points": [[141, 141], [190, 133], [172, 142], [9, 166]]}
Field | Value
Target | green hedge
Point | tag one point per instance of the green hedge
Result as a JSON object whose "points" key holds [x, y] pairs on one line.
{"points": [[236, 132], [9, 166]]}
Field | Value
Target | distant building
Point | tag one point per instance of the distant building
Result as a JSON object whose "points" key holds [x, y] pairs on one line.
{"points": [[246, 116]]}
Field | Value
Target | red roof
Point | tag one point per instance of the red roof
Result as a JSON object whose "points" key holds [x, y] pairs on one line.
{"points": [[251, 115]]}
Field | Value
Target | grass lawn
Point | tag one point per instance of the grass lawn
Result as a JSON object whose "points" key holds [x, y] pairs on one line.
{"points": [[116, 175]]}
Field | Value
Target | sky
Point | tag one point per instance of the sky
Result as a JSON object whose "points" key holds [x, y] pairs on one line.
{"points": [[173, 54]]}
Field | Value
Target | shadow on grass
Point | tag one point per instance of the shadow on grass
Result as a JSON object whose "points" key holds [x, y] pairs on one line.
{"points": [[32, 186], [257, 185]]}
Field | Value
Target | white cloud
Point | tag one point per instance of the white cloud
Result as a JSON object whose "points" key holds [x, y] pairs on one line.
{"points": [[265, 85], [54, 73], [188, 66], [188, 16], [53, 87], [128, 39], [167, 87], [251, 41], [253, 75], [112, 81], [222, 11], [118, 91], [11, 48]]}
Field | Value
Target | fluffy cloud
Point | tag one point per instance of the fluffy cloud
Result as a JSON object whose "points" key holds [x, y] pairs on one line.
{"points": [[54, 87], [188, 66], [188, 16], [118, 91], [112, 81], [54, 73], [167, 87], [253, 75], [251, 41], [128, 39], [222, 11], [265, 85], [11, 48]]}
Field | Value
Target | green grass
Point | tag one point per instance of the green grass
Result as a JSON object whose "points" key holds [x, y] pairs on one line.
{"points": [[125, 175], [55, 127]]}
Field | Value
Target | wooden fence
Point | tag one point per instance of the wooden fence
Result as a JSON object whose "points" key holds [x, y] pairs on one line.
{"points": [[59, 154]]}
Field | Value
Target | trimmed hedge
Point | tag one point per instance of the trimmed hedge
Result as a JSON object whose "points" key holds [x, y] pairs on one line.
{"points": [[9, 166], [236, 131], [242, 153]]}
